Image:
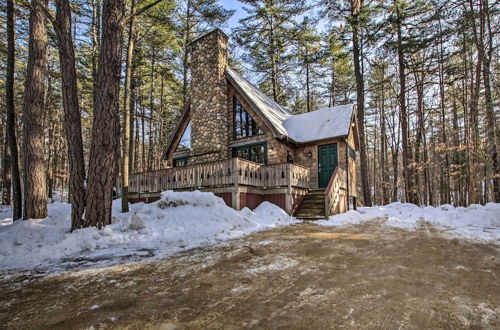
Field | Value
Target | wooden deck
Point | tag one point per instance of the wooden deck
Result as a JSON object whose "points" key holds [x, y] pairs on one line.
{"points": [[230, 172], [242, 183]]}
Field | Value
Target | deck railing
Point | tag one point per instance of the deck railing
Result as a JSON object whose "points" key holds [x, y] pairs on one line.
{"points": [[218, 174], [336, 193]]}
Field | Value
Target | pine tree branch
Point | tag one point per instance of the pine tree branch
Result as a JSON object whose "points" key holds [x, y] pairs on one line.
{"points": [[46, 11], [142, 10]]}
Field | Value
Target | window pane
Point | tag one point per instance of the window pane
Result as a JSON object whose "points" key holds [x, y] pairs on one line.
{"points": [[244, 125], [180, 162], [185, 142], [242, 153], [257, 154]]}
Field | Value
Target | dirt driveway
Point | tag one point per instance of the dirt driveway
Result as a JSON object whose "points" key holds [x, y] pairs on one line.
{"points": [[297, 277]]}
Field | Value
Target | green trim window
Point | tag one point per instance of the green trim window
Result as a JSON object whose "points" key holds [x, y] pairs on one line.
{"points": [[179, 162], [256, 152], [244, 125]]}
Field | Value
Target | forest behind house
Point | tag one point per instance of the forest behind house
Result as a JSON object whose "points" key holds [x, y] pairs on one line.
{"points": [[92, 89]]}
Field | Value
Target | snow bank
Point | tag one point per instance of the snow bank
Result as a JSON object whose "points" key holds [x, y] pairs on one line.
{"points": [[476, 222], [178, 221]]}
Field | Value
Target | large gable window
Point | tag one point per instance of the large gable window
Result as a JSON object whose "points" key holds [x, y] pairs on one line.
{"points": [[185, 142], [244, 124]]}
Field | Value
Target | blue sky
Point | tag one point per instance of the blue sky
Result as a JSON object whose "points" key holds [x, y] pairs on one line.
{"points": [[239, 14]]}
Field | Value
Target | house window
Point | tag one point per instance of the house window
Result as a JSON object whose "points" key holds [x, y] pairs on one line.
{"points": [[244, 125], [256, 152], [185, 142], [351, 153], [179, 162]]}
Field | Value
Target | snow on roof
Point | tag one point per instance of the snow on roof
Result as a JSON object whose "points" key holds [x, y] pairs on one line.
{"points": [[320, 124], [271, 110], [301, 128]]}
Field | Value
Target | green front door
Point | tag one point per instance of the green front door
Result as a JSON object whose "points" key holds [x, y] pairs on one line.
{"points": [[327, 162]]}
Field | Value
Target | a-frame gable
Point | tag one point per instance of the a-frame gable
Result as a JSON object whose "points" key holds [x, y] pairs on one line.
{"points": [[176, 135], [274, 115], [234, 94]]}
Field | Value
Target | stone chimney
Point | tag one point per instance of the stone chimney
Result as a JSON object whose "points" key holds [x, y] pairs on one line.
{"points": [[209, 121]]}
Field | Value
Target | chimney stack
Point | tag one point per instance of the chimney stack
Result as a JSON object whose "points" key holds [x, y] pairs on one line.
{"points": [[209, 120]]}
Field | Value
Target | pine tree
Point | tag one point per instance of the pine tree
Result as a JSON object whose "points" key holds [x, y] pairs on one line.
{"points": [[193, 18], [105, 140], [356, 14], [308, 52], [340, 81], [35, 187], [266, 36]]}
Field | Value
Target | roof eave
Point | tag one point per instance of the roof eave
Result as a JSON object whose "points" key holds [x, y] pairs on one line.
{"points": [[344, 136]]}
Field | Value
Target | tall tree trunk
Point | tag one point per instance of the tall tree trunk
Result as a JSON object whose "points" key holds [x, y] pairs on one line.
{"points": [[151, 112], [72, 117], [445, 169], [456, 165], [132, 145], [136, 138], [143, 137], [185, 55], [474, 183], [274, 65], [105, 142], [360, 101], [11, 113], [35, 185], [308, 82], [407, 171], [6, 171], [51, 124], [126, 111], [331, 103], [383, 137], [96, 40], [492, 129]]}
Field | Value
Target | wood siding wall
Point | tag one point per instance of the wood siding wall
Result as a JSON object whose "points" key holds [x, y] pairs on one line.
{"points": [[251, 200], [227, 197]]}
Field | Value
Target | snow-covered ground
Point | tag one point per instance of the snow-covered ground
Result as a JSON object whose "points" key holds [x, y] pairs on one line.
{"points": [[185, 220], [476, 222], [178, 221]]}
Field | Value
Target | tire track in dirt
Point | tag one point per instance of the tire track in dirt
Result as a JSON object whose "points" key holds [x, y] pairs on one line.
{"points": [[297, 277]]}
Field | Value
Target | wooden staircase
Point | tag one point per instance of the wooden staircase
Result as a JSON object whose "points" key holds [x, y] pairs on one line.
{"points": [[312, 207]]}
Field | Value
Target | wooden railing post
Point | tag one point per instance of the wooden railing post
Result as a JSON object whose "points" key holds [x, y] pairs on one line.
{"points": [[288, 195], [235, 179]]}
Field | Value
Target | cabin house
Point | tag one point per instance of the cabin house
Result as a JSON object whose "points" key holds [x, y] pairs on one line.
{"points": [[236, 142]]}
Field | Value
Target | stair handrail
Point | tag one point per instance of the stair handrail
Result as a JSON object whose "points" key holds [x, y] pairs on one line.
{"points": [[338, 182]]}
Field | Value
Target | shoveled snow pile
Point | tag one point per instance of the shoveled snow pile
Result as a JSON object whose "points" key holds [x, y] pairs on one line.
{"points": [[178, 221], [476, 222]]}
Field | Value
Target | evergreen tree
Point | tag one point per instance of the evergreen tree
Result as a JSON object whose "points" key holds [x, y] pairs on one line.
{"points": [[266, 35], [308, 53], [340, 82], [193, 18]]}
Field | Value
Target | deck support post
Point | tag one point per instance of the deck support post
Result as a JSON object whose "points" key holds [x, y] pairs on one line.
{"points": [[236, 191], [288, 195]]}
